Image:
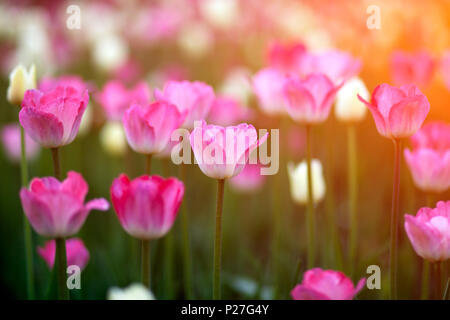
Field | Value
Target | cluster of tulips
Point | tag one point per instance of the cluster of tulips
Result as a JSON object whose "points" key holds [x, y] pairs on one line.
{"points": [[297, 83]]}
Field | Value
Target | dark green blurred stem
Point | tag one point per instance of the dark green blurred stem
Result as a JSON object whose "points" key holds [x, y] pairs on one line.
{"points": [[218, 241], [310, 223], [61, 266], [27, 236], [168, 246], [145, 262], [425, 280], [352, 195], [56, 163], [148, 164], [437, 281], [187, 263], [395, 219], [276, 234]]}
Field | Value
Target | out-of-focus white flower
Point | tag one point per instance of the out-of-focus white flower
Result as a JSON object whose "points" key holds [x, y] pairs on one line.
{"points": [[109, 52], [20, 80], [298, 177], [237, 85], [220, 13], [112, 138], [195, 40], [134, 291], [348, 107], [86, 121]]}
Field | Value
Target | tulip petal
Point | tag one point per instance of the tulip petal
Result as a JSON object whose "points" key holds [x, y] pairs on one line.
{"points": [[406, 117], [377, 117], [44, 128], [301, 292], [424, 241], [37, 212]]}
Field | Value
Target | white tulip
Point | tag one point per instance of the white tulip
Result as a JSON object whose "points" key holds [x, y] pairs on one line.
{"points": [[109, 52], [348, 107], [133, 292], [195, 40], [220, 13], [298, 178], [112, 138], [20, 80]]}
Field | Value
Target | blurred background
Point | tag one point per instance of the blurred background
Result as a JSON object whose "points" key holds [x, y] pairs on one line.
{"points": [[223, 43]]}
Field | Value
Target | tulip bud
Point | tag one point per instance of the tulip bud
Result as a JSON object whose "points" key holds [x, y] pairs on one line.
{"points": [[133, 292], [20, 80], [112, 138], [348, 107], [298, 177]]}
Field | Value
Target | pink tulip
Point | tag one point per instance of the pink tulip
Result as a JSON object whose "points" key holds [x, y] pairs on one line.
{"points": [[268, 86], [76, 253], [398, 112], [286, 57], [56, 209], [53, 118], [227, 111], [148, 205], [429, 161], [338, 66], [321, 284], [429, 232], [433, 135], [445, 68], [194, 97], [76, 82], [309, 100], [115, 98], [11, 143], [148, 129], [222, 152], [249, 179], [412, 68]]}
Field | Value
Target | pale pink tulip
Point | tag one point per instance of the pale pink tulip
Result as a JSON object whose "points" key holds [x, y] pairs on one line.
{"points": [[56, 209], [398, 112], [268, 86], [148, 205], [148, 128], [194, 97], [412, 68], [76, 253], [53, 118], [249, 179], [433, 135], [115, 98], [226, 111], [47, 84], [222, 152], [309, 100], [429, 232], [321, 284], [11, 143]]}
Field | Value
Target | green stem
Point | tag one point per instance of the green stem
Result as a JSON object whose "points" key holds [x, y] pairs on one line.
{"points": [[276, 235], [169, 262], [395, 219], [148, 164], [425, 280], [352, 195], [61, 266], [218, 241], [27, 235], [310, 223], [56, 163], [145, 262], [187, 263]]}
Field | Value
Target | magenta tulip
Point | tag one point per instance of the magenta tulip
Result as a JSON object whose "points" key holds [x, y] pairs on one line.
{"points": [[76, 253], [398, 112], [429, 232], [115, 98], [53, 118], [268, 86], [148, 205], [10, 136], [76, 82], [148, 128], [433, 135], [286, 57], [56, 209], [412, 68], [222, 152], [194, 97], [321, 284], [309, 100]]}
